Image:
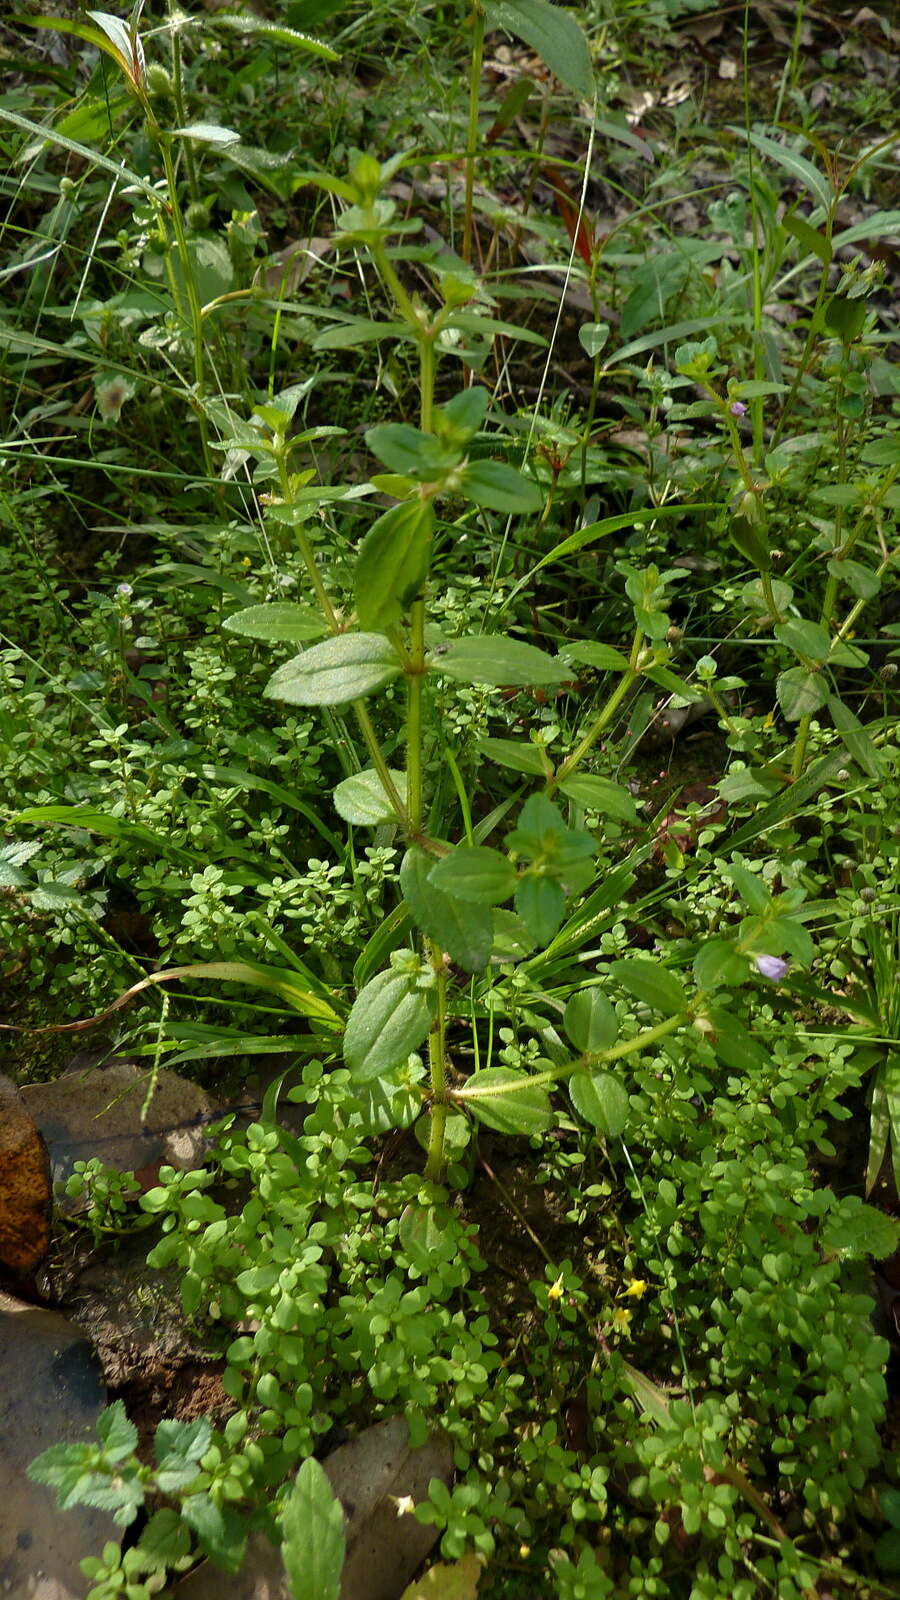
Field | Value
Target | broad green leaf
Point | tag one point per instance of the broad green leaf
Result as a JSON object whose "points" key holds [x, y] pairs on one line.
{"points": [[864, 752], [313, 1544], [116, 1432], [403, 448], [93, 157], [809, 237], [845, 316], [649, 982], [220, 1529], [512, 940], [601, 794], [748, 538], [860, 580], [808, 639], [495, 659], [731, 1041], [717, 964], [356, 331], [515, 754], [208, 133], [541, 903], [458, 1580], [473, 872], [389, 1019], [344, 667], [800, 692], [592, 336], [553, 34], [791, 161], [751, 888], [276, 31], [279, 621], [601, 1100], [600, 656], [590, 1021], [423, 1231], [361, 799], [499, 487], [392, 563], [464, 928], [506, 1100]]}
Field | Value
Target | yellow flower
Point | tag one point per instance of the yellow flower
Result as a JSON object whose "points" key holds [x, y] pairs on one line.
{"points": [[636, 1289], [621, 1319], [555, 1291]]}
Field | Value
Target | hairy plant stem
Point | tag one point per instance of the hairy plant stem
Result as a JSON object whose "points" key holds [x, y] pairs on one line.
{"points": [[437, 1045], [361, 710], [164, 143], [826, 616], [588, 1062], [178, 98], [475, 65], [603, 718]]}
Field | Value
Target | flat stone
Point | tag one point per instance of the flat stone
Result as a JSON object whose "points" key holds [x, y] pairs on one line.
{"points": [[52, 1393], [385, 1546], [96, 1111]]}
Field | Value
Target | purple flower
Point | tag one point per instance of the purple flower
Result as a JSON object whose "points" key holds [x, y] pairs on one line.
{"points": [[772, 967], [737, 408]]}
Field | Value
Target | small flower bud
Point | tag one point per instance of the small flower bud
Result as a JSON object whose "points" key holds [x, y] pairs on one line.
{"points": [[197, 215], [867, 894], [737, 408], [772, 967], [158, 81], [843, 775], [888, 671]]}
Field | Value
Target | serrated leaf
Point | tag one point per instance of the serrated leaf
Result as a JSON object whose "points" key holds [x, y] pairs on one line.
{"points": [[118, 1435], [499, 487], [652, 984], [800, 692], [590, 1021], [361, 798], [507, 1101], [553, 34], [463, 928], [497, 660], [805, 638], [389, 1019], [392, 563], [313, 1543], [600, 794], [601, 1100], [473, 872], [278, 621], [855, 1230], [344, 667]]}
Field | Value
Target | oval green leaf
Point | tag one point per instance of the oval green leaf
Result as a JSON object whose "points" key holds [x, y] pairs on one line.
{"points": [[344, 667], [389, 1019], [497, 660], [601, 1100], [507, 1101], [279, 622], [361, 799]]}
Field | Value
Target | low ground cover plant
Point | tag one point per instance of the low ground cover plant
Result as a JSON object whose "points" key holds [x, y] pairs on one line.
{"points": [[423, 515]]}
